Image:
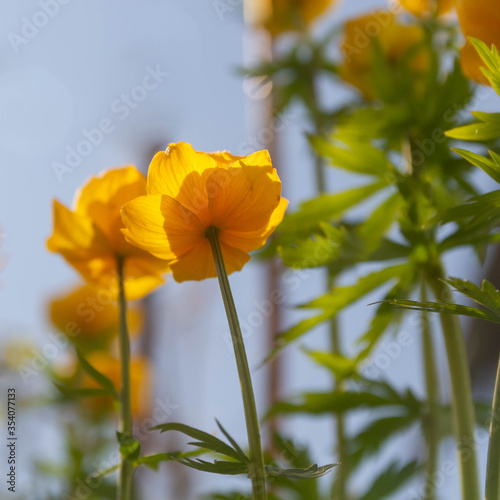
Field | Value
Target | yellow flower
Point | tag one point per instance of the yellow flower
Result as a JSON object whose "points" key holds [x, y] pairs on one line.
{"points": [[293, 15], [479, 19], [191, 191], [89, 317], [424, 8], [89, 236], [140, 382], [395, 40]]}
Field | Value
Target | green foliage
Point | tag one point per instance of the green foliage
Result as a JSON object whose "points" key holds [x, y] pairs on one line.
{"points": [[487, 296]]}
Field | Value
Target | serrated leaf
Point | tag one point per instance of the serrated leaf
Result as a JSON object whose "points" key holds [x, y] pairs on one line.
{"points": [[459, 310], [391, 480], [205, 440], [352, 155], [491, 58], [341, 366], [325, 208], [487, 296], [236, 446], [485, 164], [311, 472], [316, 251], [217, 467]]}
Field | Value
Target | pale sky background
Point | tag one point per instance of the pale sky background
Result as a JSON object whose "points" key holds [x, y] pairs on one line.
{"points": [[65, 80]]}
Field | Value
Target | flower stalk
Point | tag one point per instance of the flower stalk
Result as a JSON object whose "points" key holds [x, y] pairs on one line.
{"points": [[463, 405], [432, 389], [257, 470], [126, 468], [493, 467]]}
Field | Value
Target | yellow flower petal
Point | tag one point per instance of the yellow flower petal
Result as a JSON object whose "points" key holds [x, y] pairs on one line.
{"points": [[75, 236], [423, 8], [89, 316], [103, 196], [198, 264], [161, 225], [253, 240], [180, 172], [243, 198]]}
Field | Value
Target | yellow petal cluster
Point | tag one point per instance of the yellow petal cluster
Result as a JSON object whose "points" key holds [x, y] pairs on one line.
{"points": [[280, 16], [479, 19], [425, 8], [89, 236], [190, 191], [89, 317], [395, 40]]}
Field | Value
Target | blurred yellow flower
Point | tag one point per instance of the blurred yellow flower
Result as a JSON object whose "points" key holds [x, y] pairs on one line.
{"points": [[423, 8], [479, 19], [140, 382], [89, 317], [191, 191], [89, 236], [378, 29], [292, 15]]}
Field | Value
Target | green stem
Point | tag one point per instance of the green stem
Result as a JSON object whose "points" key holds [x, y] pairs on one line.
{"points": [[463, 405], [126, 469], [493, 467], [257, 472], [432, 386]]}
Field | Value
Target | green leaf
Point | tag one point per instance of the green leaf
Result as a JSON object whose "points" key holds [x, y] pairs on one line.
{"points": [[375, 435], [311, 472], [129, 447], [325, 208], [481, 131], [341, 297], [205, 440], [329, 402], [316, 251], [490, 167], [487, 296], [472, 312], [355, 156], [241, 453], [216, 467], [491, 58], [391, 480], [85, 392], [341, 366], [284, 339], [96, 375]]}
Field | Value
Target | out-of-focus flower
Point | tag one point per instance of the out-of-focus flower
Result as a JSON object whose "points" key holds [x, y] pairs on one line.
{"points": [[89, 317], [395, 41], [140, 382], [425, 8], [279, 16], [479, 19], [191, 191], [89, 236]]}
